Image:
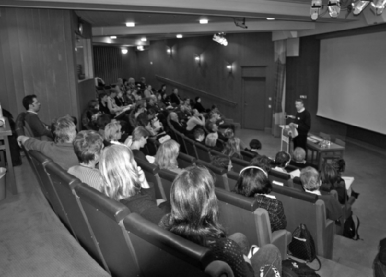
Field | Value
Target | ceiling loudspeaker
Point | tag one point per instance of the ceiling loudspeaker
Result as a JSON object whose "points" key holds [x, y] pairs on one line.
{"points": [[293, 47]]}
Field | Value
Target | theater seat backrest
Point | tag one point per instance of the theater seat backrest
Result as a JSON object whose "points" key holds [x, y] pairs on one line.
{"points": [[161, 253], [40, 161], [167, 177], [242, 214], [302, 207], [247, 156], [151, 173], [280, 177], [239, 164], [297, 183], [220, 174], [203, 153], [232, 179], [106, 216], [190, 147], [65, 184], [185, 160]]}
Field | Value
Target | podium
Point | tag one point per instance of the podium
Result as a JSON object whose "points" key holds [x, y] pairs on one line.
{"points": [[286, 138]]}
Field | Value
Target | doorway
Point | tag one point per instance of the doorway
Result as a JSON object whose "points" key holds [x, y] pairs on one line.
{"points": [[253, 110]]}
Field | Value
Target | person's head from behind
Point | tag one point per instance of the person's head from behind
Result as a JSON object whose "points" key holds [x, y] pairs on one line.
{"points": [[31, 103], [211, 140], [103, 120], [167, 154], [64, 129], [199, 134], [119, 172], [262, 161], [329, 175], [222, 162], [194, 208], [282, 158], [113, 131], [198, 99], [175, 91], [140, 135], [232, 147], [174, 117], [255, 144], [299, 155], [88, 146], [340, 165], [229, 133], [299, 104], [253, 180], [310, 178], [142, 120], [212, 127]]}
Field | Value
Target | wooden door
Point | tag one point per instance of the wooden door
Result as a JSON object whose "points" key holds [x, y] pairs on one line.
{"points": [[254, 103]]}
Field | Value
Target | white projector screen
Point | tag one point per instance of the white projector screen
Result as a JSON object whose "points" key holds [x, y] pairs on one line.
{"points": [[352, 80]]}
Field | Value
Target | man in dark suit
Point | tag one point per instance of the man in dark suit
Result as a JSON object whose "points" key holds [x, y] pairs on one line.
{"points": [[38, 128], [302, 123], [175, 99]]}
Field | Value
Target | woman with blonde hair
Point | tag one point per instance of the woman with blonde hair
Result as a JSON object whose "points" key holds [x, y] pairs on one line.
{"points": [[113, 132], [194, 216], [124, 181], [166, 157], [232, 148]]}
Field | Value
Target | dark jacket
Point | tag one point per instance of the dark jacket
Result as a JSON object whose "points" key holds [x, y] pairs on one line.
{"points": [[38, 128]]}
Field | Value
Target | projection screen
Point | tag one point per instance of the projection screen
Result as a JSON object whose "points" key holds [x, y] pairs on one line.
{"points": [[352, 81]]}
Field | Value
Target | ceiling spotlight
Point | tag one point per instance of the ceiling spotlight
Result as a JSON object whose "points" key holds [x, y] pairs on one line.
{"points": [[316, 5], [143, 39], [204, 21], [240, 23], [179, 36], [113, 37], [379, 6], [169, 51], [334, 8], [130, 24], [140, 48], [124, 51], [358, 6], [270, 18], [220, 38]]}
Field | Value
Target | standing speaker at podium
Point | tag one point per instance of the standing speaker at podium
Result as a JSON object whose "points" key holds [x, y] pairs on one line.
{"points": [[302, 122]]}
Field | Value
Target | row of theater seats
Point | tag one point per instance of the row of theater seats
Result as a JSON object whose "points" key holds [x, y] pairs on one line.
{"points": [[299, 206], [123, 243]]}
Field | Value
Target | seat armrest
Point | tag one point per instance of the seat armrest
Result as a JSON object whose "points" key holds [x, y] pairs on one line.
{"points": [[329, 239], [218, 269], [281, 239]]}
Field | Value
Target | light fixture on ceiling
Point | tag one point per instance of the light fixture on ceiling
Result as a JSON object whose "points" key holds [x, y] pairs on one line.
{"points": [[124, 51], [220, 38], [378, 5], [204, 21], [144, 39], [358, 6], [197, 58], [130, 24], [179, 36], [271, 18], [316, 5], [140, 48], [229, 68], [334, 8], [113, 37], [240, 23], [169, 51]]}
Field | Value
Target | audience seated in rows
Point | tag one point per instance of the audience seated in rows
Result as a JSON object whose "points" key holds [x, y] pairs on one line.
{"points": [[194, 216], [90, 115], [299, 158], [140, 136], [282, 159], [88, 146], [124, 181], [253, 182], [311, 182], [38, 128], [61, 150], [166, 157]]}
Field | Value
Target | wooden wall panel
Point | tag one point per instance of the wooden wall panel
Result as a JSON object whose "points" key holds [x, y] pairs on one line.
{"points": [[37, 58], [108, 63]]}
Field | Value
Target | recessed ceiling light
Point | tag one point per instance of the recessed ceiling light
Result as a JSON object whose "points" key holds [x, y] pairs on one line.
{"points": [[143, 39], [140, 48], [204, 21], [124, 51], [113, 37], [130, 24], [270, 18], [179, 36]]}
